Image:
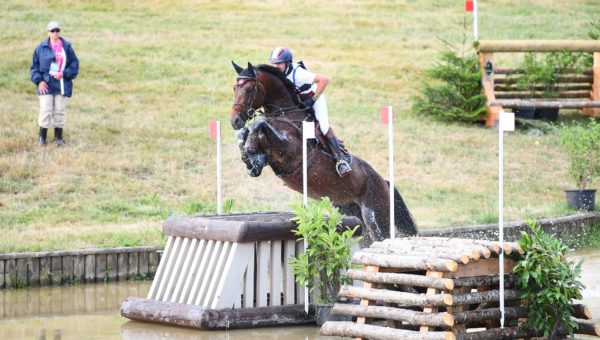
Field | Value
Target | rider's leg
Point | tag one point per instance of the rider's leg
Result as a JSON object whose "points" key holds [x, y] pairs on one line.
{"points": [[320, 107]]}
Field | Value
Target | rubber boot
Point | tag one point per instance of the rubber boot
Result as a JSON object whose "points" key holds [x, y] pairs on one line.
{"points": [[43, 136], [58, 138], [341, 166]]}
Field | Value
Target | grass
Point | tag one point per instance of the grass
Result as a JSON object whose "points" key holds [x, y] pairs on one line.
{"points": [[153, 73]]}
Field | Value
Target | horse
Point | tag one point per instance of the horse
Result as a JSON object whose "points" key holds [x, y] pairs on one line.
{"points": [[276, 140]]}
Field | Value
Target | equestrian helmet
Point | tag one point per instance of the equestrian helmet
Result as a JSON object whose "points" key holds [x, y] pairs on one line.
{"points": [[280, 55]]}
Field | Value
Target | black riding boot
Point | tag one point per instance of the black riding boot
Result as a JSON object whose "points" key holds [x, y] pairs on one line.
{"points": [[341, 166], [58, 138], [43, 136]]}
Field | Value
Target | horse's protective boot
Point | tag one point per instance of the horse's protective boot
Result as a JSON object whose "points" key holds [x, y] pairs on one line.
{"points": [[58, 138], [42, 136], [341, 166]]}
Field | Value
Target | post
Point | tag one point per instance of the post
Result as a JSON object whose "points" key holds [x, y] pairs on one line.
{"points": [[219, 198], [475, 33], [308, 131], [391, 169]]}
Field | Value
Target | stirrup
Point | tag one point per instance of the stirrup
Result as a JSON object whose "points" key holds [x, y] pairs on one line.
{"points": [[340, 163]]}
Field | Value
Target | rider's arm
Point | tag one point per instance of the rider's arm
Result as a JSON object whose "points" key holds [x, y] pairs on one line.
{"points": [[321, 82]]}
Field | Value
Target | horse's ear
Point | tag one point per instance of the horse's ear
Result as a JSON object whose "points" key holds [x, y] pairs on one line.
{"points": [[237, 68], [251, 71]]}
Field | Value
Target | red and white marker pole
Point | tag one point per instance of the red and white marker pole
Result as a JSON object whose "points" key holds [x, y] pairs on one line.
{"points": [[471, 6], [308, 131], [214, 131], [387, 117]]}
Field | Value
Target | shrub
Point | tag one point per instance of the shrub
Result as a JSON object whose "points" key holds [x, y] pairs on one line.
{"points": [[458, 94], [582, 144], [328, 253], [549, 282]]}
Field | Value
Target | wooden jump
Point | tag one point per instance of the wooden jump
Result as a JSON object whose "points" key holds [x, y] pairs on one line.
{"points": [[579, 91], [225, 271], [435, 288]]}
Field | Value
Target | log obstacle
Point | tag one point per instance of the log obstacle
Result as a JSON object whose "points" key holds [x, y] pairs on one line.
{"points": [[435, 288], [226, 271], [577, 90]]}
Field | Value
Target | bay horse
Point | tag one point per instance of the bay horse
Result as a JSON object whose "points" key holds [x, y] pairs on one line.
{"points": [[276, 140]]}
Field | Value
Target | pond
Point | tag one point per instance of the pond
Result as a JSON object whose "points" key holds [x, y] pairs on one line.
{"points": [[92, 312]]}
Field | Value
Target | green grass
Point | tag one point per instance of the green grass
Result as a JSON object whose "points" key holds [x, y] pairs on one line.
{"points": [[153, 73]]}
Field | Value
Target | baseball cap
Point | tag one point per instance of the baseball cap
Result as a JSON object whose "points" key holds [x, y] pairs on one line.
{"points": [[52, 25]]}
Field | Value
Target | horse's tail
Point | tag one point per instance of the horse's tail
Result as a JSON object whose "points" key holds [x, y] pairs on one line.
{"points": [[403, 219]]}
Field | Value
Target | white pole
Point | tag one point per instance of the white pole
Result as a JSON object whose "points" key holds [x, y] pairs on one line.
{"points": [[305, 132], [475, 33], [501, 125], [391, 170], [219, 199]]}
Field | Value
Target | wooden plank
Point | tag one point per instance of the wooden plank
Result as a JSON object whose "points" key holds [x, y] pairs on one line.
{"points": [[132, 266], [288, 276], [197, 253], [185, 272], [10, 276], [169, 261], [404, 262], [349, 329], [538, 45], [431, 292], [158, 278], [67, 269], [227, 293], [595, 91], [153, 262], [401, 278], [112, 267], [410, 316], [122, 266], [298, 288], [482, 267], [79, 268], [208, 274], [180, 254], [276, 272], [143, 264], [262, 273], [201, 272], [365, 300], [22, 272], [2, 282], [90, 268], [101, 270], [56, 263], [249, 279], [487, 81], [216, 278], [45, 271]]}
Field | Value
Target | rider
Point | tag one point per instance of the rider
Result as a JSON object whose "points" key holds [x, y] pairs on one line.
{"points": [[310, 87]]}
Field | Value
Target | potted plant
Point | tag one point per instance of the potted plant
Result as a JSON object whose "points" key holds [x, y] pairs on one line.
{"points": [[582, 143], [321, 266]]}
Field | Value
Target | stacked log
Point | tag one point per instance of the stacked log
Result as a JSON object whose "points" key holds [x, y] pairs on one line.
{"points": [[434, 288]]}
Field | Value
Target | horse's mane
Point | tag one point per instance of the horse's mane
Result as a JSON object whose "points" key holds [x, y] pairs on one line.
{"points": [[288, 84]]}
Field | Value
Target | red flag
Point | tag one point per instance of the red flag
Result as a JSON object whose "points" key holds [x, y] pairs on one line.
{"points": [[212, 129], [385, 115], [468, 5]]}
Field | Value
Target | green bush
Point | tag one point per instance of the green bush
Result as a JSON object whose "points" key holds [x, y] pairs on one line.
{"points": [[456, 93], [582, 143], [328, 250], [549, 282]]}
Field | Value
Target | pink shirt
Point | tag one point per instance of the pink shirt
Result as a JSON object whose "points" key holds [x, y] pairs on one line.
{"points": [[58, 52]]}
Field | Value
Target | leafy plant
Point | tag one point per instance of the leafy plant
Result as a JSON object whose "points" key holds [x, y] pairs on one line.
{"points": [[546, 72], [328, 253], [582, 144], [549, 282], [456, 93]]}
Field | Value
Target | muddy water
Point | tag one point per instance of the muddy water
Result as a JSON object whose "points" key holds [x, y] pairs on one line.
{"points": [[92, 312]]}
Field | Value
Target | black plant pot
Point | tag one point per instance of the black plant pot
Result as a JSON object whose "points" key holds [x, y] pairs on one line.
{"points": [[524, 112], [582, 199], [550, 114]]}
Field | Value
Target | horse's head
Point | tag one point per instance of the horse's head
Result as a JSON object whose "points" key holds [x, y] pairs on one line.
{"points": [[248, 98]]}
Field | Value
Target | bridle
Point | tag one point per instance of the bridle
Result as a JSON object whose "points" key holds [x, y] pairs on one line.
{"points": [[250, 111]]}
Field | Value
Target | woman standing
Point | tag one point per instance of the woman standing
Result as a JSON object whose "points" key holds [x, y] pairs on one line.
{"points": [[53, 68]]}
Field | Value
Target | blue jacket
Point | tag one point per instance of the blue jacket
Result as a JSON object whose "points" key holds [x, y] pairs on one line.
{"points": [[43, 56]]}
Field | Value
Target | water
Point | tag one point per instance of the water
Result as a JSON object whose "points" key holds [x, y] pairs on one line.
{"points": [[92, 312]]}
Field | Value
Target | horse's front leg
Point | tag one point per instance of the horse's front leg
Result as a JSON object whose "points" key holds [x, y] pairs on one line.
{"points": [[241, 136], [273, 135]]}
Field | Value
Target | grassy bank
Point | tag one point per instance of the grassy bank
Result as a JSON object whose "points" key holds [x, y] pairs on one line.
{"points": [[154, 73]]}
